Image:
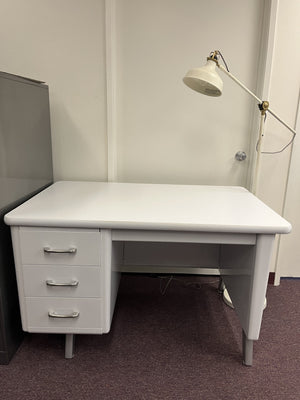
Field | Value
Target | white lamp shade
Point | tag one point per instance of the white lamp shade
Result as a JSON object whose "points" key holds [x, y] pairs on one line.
{"points": [[205, 80]]}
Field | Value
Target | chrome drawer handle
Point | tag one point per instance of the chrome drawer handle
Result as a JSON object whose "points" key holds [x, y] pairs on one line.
{"points": [[72, 283], [71, 250], [54, 314]]}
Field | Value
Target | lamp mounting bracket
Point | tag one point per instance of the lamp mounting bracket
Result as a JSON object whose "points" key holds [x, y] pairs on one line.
{"points": [[263, 106]]}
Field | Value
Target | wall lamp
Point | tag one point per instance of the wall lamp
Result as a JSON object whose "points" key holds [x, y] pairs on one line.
{"points": [[206, 80]]}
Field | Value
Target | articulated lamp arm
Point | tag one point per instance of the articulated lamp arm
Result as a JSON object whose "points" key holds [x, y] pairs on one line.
{"points": [[255, 97], [205, 80]]}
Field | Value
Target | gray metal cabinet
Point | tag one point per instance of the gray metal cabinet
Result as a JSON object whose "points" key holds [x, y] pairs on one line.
{"points": [[25, 169]]}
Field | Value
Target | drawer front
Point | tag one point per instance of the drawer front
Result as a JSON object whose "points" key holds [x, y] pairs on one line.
{"points": [[89, 319], [62, 281], [60, 246]]}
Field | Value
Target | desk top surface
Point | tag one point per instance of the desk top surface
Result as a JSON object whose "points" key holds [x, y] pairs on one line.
{"points": [[148, 206]]}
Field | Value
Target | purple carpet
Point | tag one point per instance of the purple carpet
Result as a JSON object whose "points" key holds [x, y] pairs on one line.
{"points": [[169, 340]]}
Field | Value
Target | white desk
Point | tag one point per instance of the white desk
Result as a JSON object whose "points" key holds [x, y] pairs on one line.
{"points": [[68, 248]]}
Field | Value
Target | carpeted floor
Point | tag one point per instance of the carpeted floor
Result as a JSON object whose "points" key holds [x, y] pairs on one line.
{"points": [[169, 340]]}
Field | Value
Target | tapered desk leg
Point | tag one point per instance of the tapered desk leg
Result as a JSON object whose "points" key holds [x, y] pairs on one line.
{"points": [[221, 286], [69, 346], [245, 270], [247, 351]]}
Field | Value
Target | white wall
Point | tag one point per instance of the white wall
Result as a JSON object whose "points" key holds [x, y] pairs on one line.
{"points": [[288, 262], [284, 92], [165, 131], [62, 42]]}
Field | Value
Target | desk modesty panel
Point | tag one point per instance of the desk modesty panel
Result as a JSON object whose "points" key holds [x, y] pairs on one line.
{"points": [[68, 248]]}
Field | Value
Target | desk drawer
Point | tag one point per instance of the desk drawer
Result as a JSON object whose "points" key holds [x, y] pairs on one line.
{"points": [[60, 246], [62, 281], [87, 316]]}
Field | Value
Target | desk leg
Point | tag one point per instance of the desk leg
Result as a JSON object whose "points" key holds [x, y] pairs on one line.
{"points": [[247, 351], [221, 286], [245, 270], [69, 346]]}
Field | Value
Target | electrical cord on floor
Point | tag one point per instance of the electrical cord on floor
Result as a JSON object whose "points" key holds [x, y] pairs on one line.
{"points": [[189, 284], [163, 290]]}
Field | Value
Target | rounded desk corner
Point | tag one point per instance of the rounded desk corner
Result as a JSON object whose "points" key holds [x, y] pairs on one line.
{"points": [[289, 228], [7, 219]]}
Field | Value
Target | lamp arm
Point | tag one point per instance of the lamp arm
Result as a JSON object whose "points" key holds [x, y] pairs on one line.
{"points": [[280, 120], [255, 97]]}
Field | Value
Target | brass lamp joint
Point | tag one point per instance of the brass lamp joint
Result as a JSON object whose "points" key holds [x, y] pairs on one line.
{"points": [[263, 107], [214, 56]]}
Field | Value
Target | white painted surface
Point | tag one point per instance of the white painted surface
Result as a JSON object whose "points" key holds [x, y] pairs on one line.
{"points": [[62, 43], [288, 263], [284, 93], [91, 298], [90, 319], [181, 237], [111, 90], [149, 206], [111, 255], [88, 278], [162, 269], [245, 271], [34, 240], [166, 132]]}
